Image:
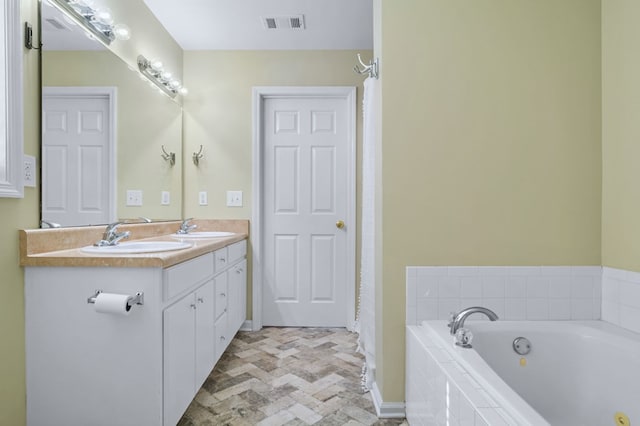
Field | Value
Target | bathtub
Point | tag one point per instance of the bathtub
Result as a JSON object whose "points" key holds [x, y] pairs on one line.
{"points": [[577, 373]]}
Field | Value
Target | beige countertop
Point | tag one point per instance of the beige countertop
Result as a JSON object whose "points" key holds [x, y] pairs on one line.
{"points": [[62, 246]]}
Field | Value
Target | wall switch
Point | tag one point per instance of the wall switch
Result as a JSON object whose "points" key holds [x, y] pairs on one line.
{"points": [[234, 198], [134, 197], [165, 198], [29, 171], [202, 198]]}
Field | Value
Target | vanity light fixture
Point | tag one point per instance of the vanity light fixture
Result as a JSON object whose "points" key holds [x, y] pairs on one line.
{"points": [[154, 70], [98, 21]]}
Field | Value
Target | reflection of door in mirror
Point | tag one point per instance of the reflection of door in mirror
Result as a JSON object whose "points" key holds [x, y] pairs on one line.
{"points": [[78, 155]]}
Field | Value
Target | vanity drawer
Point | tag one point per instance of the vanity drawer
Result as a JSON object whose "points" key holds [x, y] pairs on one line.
{"points": [[237, 251], [221, 296], [183, 276], [221, 259]]}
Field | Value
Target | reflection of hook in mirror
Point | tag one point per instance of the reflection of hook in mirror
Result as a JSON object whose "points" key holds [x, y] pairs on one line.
{"points": [[169, 156], [197, 156]]}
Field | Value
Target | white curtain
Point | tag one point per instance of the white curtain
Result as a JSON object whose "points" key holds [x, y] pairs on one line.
{"points": [[365, 325]]}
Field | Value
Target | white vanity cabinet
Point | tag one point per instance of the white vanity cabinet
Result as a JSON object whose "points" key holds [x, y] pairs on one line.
{"points": [[84, 367]]}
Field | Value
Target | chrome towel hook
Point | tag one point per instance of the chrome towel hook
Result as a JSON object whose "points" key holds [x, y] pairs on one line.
{"points": [[371, 68], [168, 156], [197, 156]]}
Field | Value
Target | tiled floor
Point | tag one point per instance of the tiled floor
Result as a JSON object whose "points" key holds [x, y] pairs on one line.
{"points": [[286, 376]]}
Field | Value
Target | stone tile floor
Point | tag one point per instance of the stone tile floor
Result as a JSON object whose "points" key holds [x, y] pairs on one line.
{"points": [[286, 376]]}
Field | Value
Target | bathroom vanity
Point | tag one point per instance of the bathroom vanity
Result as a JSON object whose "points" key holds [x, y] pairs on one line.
{"points": [[137, 367]]}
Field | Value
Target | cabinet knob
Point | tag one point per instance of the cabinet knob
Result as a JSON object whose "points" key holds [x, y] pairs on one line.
{"points": [[200, 299], [192, 306], [239, 271], [222, 338], [222, 259], [223, 295]]}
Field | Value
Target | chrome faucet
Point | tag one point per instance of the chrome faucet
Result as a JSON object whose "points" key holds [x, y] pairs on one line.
{"points": [[185, 228], [111, 237], [458, 320]]}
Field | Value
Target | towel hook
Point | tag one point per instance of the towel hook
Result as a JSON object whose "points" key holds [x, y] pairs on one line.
{"points": [[371, 68], [197, 156], [168, 156]]}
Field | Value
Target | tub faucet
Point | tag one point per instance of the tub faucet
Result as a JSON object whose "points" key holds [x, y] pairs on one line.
{"points": [[111, 237], [185, 228], [460, 317]]}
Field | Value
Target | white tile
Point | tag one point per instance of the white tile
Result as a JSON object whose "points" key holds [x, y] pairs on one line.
{"points": [[582, 287], [431, 270], [471, 286], [467, 414], [467, 302], [479, 421], [537, 287], [619, 274], [426, 309], [446, 306], [611, 289], [411, 291], [559, 287], [515, 309], [559, 309], [610, 312], [412, 316], [491, 417], [594, 271], [497, 305], [556, 270], [493, 270], [524, 270], [462, 270], [473, 395], [581, 309], [630, 318], [630, 294], [516, 287], [506, 417], [596, 308], [633, 276], [411, 271], [537, 309], [427, 286], [493, 286], [449, 287]]}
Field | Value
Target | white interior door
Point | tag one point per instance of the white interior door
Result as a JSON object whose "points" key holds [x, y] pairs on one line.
{"points": [[78, 183], [307, 224]]}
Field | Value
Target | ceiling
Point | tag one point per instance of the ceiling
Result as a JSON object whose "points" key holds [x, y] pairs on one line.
{"points": [[61, 33], [239, 25]]}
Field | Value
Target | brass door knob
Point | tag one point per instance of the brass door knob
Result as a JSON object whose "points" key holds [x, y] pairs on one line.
{"points": [[340, 224]]}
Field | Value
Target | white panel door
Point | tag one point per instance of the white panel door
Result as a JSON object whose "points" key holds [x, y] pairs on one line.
{"points": [[305, 175], [76, 183]]}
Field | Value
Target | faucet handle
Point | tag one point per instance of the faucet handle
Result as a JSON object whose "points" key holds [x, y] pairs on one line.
{"points": [[464, 337], [185, 228], [112, 226]]}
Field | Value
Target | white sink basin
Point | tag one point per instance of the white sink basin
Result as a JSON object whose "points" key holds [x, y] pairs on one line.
{"points": [[204, 234], [138, 247]]}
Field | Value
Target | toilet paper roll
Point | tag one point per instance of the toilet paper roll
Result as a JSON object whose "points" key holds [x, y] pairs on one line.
{"points": [[109, 303]]}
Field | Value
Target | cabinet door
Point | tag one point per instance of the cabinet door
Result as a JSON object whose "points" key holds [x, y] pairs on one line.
{"points": [[237, 282], [221, 296], [179, 357], [205, 333]]}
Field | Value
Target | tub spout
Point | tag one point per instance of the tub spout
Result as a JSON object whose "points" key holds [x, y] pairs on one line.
{"points": [[459, 319]]}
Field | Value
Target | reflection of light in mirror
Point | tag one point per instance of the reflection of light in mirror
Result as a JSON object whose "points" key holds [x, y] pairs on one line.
{"points": [[154, 71]]}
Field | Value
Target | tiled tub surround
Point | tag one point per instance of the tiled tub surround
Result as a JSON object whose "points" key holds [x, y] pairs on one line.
{"points": [[621, 298], [512, 292]]}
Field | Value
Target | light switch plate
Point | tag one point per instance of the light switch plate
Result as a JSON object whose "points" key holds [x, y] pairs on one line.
{"points": [[30, 176], [202, 198], [234, 198], [165, 198]]}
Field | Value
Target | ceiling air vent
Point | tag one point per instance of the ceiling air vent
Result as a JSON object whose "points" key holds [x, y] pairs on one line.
{"points": [[57, 25], [291, 22]]}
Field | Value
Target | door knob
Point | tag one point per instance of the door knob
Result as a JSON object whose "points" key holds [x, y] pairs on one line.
{"points": [[340, 224]]}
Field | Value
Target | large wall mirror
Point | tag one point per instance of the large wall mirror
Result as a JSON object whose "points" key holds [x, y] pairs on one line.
{"points": [[104, 129]]}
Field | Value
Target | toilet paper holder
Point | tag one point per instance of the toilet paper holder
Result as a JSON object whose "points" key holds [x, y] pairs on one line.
{"points": [[138, 299]]}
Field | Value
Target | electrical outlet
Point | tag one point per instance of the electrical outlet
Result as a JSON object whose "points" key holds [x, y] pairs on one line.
{"points": [[202, 198], [29, 171], [134, 197], [165, 198], [234, 198]]}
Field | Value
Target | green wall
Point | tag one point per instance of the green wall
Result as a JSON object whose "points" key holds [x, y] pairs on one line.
{"points": [[620, 134], [491, 150]]}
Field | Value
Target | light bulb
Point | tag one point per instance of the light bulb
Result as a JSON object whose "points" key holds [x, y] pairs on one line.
{"points": [[184, 91], [103, 16], [156, 65], [122, 32], [166, 76], [175, 84]]}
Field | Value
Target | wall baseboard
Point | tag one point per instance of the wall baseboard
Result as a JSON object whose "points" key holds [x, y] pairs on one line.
{"points": [[247, 326], [386, 410]]}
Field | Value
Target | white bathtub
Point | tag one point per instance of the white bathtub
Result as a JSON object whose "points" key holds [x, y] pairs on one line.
{"points": [[577, 373]]}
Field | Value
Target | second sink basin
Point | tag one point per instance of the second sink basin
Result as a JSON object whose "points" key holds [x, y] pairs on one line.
{"points": [[138, 247], [204, 234]]}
